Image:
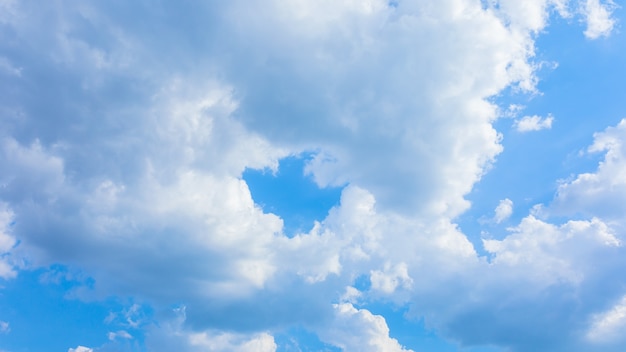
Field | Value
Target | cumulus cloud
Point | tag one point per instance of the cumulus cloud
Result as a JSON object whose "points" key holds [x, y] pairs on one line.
{"points": [[540, 244], [533, 123], [389, 279], [126, 160], [359, 330], [538, 279], [599, 18], [373, 126]]}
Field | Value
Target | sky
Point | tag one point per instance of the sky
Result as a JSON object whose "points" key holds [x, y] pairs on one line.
{"points": [[346, 175]]}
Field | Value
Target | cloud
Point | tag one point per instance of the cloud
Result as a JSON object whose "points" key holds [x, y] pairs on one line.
{"points": [[125, 153], [228, 342], [503, 210], [172, 335], [600, 193], [80, 349], [598, 16], [608, 326], [533, 123], [543, 246], [122, 334], [7, 241], [359, 330], [389, 279], [529, 15], [370, 132], [538, 279]]}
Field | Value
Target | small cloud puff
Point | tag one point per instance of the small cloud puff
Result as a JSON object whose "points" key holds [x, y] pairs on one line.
{"points": [[122, 334], [533, 123], [503, 210], [388, 280], [598, 16], [80, 349]]}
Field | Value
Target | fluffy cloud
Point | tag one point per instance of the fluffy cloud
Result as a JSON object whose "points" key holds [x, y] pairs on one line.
{"points": [[123, 212], [389, 279], [536, 287], [503, 210], [124, 143], [533, 123], [598, 16], [359, 330], [366, 119]]}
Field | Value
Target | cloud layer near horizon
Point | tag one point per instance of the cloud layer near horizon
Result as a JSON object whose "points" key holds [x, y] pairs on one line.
{"points": [[123, 145]]}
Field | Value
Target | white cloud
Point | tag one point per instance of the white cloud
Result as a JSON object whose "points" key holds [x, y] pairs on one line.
{"points": [[527, 15], [7, 241], [359, 330], [137, 179], [609, 326], [384, 126], [388, 280], [551, 253], [121, 334], [169, 189], [534, 123], [80, 349], [598, 16], [503, 210], [171, 335], [600, 193], [262, 342]]}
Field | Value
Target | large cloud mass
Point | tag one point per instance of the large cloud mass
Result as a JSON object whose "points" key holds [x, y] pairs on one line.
{"points": [[125, 130]]}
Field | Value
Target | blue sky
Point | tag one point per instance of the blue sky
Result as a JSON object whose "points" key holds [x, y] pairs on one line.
{"points": [[312, 176]]}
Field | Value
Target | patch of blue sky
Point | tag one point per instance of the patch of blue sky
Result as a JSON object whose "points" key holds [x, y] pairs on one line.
{"points": [[35, 306], [291, 194], [45, 314], [580, 86]]}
